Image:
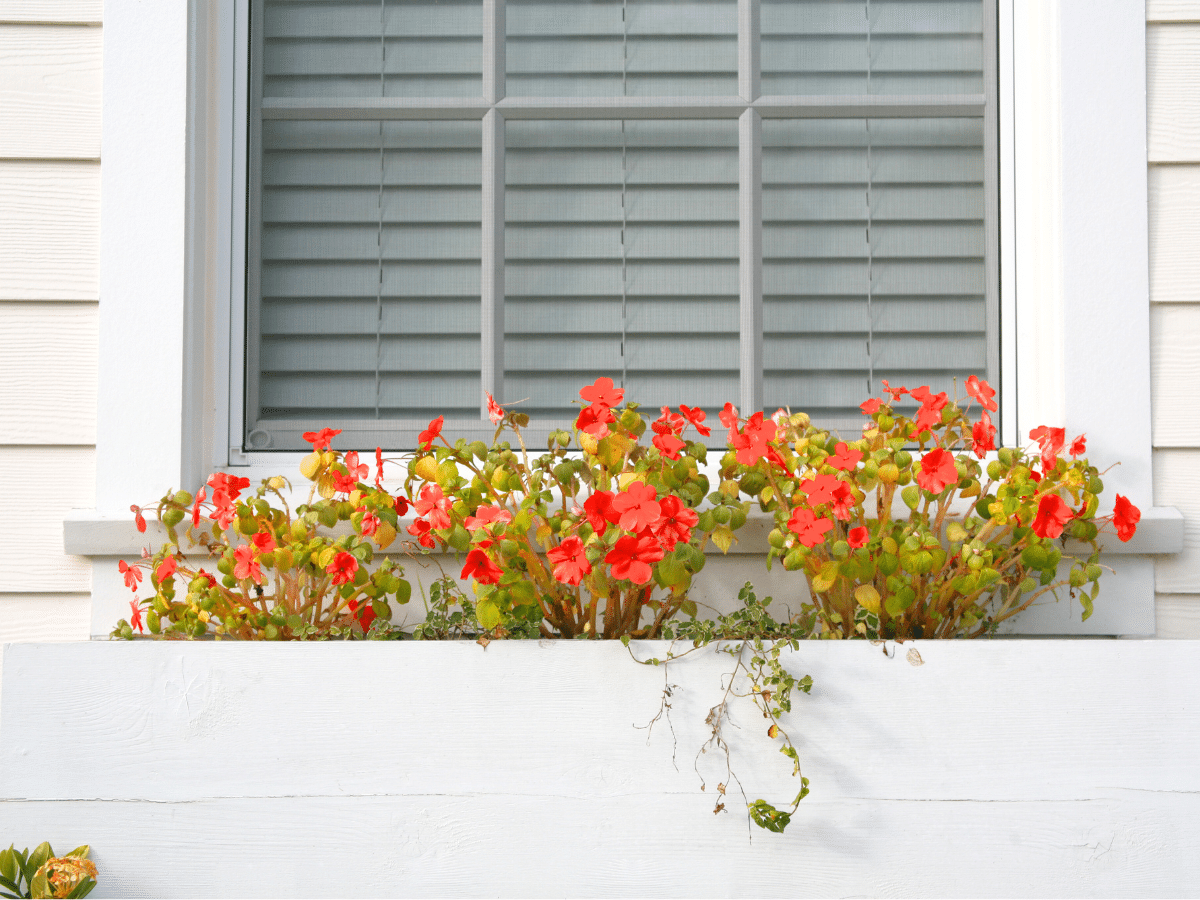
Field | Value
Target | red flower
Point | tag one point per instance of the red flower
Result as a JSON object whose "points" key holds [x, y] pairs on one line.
{"points": [[595, 420], [366, 616], [896, 393], [930, 414], [937, 471], [843, 500], [135, 618], [320, 439], [1051, 441], [1125, 518], [983, 435], [355, 469], [820, 488], [495, 410], [858, 537], [983, 392], [1053, 513], [133, 575], [212, 582], [401, 506], [264, 541], [669, 445], [165, 569], [696, 416], [728, 417], [370, 523], [426, 438], [480, 567], [225, 514], [420, 530], [343, 567], [247, 566], [668, 422], [870, 407], [196, 508], [138, 519], [844, 457], [809, 530], [487, 515], [1078, 446], [378, 467], [637, 507], [344, 483], [751, 445], [599, 511], [435, 506], [676, 523], [602, 393], [632, 556], [570, 561]]}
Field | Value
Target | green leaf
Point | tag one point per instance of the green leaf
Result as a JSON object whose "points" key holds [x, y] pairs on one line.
{"points": [[9, 896], [8, 865], [40, 886], [82, 889], [37, 859], [488, 613], [764, 815], [11, 885]]}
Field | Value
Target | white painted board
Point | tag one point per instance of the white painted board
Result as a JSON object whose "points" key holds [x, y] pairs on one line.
{"points": [[1173, 103], [1174, 197]]}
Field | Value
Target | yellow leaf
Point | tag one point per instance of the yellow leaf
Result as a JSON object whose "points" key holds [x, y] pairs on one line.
{"points": [[824, 579], [723, 538], [384, 535], [867, 597]]}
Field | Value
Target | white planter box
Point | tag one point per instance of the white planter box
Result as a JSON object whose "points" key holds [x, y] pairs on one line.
{"points": [[1004, 768]]}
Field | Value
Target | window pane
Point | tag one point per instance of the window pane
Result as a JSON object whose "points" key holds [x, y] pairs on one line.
{"points": [[872, 47], [372, 48], [621, 260], [621, 48], [873, 259], [370, 249]]}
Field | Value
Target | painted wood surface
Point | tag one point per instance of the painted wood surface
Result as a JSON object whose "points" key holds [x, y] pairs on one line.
{"points": [[49, 230], [50, 82], [1003, 768], [1177, 616], [48, 361], [1173, 103], [1177, 483], [31, 554], [44, 617], [1175, 372], [1174, 234], [52, 11], [1173, 10]]}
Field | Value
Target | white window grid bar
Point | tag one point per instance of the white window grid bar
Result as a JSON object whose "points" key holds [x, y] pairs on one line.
{"points": [[493, 109]]}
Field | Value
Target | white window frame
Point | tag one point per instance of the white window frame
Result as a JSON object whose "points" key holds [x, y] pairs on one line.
{"points": [[1074, 247]]}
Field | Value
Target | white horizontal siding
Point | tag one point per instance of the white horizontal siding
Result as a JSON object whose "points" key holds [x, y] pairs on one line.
{"points": [[41, 485], [1174, 233], [48, 366], [1177, 483], [1173, 101], [50, 81], [1175, 373], [88, 12], [1177, 616], [1173, 10], [49, 230], [44, 617]]}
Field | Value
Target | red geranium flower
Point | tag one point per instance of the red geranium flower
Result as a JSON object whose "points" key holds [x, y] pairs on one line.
{"points": [[320, 439], [858, 537], [809, 530], [401, 506], [632, 556], [138, 519], [570, 561], [669, 445], [196, 508], [637, 507], [728, 417], [937, 471], [434, 506], [495, 410], [480, 567], [1125, 518], [370, 523], [677, 521], [426, 438], [595, 420], [165, 569], [896, 393], [751, 445], [844, 457], [696, 416], [1051, 441], [1078, 446], [133, 575], [135, 617], [870, 407], [264, 541], [246, 565], [983, 435], [420, 530], [378, 467], [983, 392], [843, 500], [344, 483], [820, 488], [354, 468], [603, 393], [487, 515], [366, 616], [600, 511], [343, 567], [1053, 513]]}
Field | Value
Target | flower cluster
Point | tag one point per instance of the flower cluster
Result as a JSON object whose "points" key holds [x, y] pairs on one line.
{"points": [[617, 561], [276, 574], [883, 536]]}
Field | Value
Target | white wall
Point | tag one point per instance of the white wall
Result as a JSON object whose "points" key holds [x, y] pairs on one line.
{"points": [[50, 84], [1173, 84]]}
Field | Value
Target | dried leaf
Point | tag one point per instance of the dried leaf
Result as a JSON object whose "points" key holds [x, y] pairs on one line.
{"points": [[913, 657]]}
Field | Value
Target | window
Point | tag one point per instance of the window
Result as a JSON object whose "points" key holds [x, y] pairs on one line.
{"points": [[774, 202]]}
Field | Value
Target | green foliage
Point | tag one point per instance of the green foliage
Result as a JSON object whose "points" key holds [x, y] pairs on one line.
{"points": [[42, 874]]}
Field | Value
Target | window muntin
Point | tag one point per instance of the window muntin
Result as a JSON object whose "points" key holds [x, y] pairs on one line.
{"points": [[897, 278]]}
